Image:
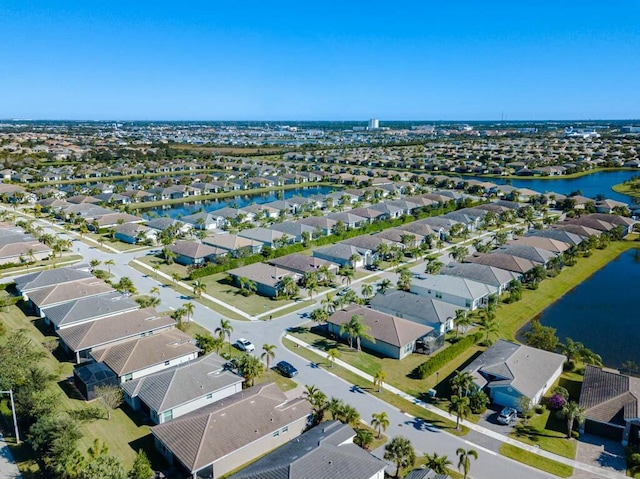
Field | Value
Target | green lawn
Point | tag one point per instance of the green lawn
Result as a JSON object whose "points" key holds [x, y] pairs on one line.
{"points": [[514, 316], [420, 413], [630, 188], [533, 460]]}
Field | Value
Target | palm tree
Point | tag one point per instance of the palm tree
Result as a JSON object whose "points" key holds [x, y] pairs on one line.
{"points": [[464, 461], [108, 263], [574, 351], [363, 438], [189, 308], [379, 378], [198, 288], [328, 304], [311, 283], [247, 287], [404, 279], [461, 383], [433, 266], [458, 253], [383, 285], [319, 316], [269, 353], [489, 325], [94, 263], [169, 255], [366, 290], [380, 422], [355, 328], [354, 259], [436, 463], [325, 274], [225, 329], [288, 287], [250, 367], [462, 319], [156, 267], [318, 401], [347, 275], [332, 355], [400, 452], [176, 277], [572, 411], [460, 407], [349, 415]]}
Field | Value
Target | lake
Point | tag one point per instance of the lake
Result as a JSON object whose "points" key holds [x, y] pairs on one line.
{"points": [[590, 185], [602, 312], [239, 201]]}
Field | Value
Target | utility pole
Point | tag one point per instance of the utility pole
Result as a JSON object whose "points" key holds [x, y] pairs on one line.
{"points": [[13, 412]]}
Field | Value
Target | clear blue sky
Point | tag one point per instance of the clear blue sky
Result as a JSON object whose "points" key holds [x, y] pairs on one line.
{"points": [[347, 60]]}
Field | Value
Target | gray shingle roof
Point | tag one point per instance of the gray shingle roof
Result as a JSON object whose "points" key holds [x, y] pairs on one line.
{"points": [[62, 293], [404, 305], [461, 287], [525, 368], [323, 452], [114, 328], [141, 353], [49, 277], [204, 436], [481, 273], [91, 308], [531, 253], [181, 384]]}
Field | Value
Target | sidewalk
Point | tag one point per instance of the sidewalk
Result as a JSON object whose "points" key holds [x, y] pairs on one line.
{"points": [[8, 466], [599, 472]]}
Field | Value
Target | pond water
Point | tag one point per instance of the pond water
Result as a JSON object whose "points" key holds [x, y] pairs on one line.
{"points": [[590, 185], [602, 312], [240, 201]]}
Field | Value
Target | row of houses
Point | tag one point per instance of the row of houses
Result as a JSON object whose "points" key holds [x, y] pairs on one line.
{"points": [[18, 247]]}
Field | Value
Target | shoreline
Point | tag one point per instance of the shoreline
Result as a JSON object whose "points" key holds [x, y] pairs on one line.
{"points": [[534, 302], [540, 177], [626, 189]]}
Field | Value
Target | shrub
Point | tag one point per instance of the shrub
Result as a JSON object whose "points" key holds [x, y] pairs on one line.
{"points": [[557, 401], [478, 402], [438, 360], [561, 391]]}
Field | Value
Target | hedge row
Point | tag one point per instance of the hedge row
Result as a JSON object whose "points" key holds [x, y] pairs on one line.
{"points": [[440, 359]]}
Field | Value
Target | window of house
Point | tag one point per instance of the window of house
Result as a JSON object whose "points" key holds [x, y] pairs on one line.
{"points": [[439, 295], [166, 363], [276, 433], [210, 396], [167, 415], [467, 303], [127, 377]]}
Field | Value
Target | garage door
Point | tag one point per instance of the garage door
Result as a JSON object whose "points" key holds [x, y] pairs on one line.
{"points": [[503, 399], [604, 430]]}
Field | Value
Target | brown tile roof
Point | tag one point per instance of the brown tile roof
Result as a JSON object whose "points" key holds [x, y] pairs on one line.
{"points": [[137, 354], [609, 396], [203, 436], [503, 261], [61, 293], [383, 327]]}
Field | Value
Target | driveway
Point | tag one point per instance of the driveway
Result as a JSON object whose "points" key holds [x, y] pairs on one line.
{"points": [[489, 420], [600, 452]]}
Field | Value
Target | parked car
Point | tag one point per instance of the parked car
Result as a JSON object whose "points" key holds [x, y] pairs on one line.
{"points": [[344, 291], [507, 416], [286, 369], [245, 345]]}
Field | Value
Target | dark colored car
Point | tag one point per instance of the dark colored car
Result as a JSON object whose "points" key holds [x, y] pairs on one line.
{"points": [[286, 369]]}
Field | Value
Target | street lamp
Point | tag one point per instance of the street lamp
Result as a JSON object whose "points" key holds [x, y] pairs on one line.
{"points": [[13, 411]]}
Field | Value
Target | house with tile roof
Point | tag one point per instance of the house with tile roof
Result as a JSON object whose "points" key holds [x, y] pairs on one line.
{"points": [[462, 292], [507, 371], [394, 337], [611, 402], [325, 451], [181, 389], [87, 309], [193, 252], [141, 356], [63, 293], [497, 277], [219, 438]]}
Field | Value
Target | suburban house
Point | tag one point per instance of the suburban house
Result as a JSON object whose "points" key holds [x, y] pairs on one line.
{"points": [[319, 223], [394, 337], [20, 249], [176, 391], [532, 253], [133, 233], [233, 244], [204, 221], [49, 277], [430, 312], [326, 449], [267, 278], [139, 357], [268, 237], [219, 438], [301, 264], [163, 224], [462, 292], [541, 242], [342, 254], [496, 277], [192, 252], [611, 402], [424, 473], [87, 309], [81, 339], [555, 234], [349, 220], [509, 262], [66, 292], [294, 230], [507, 371]]}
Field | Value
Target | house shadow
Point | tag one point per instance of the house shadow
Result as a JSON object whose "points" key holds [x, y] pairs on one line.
{"points": [[158, 462], [69, 389]]}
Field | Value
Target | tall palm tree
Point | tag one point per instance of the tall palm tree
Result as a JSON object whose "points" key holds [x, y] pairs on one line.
{"points": [[176, 277], [189, 308], [461, 383], [366, 290], [462, 320], [400, 452], [269, 353], [489, 325], [458, 253], [199, 288], [108, 263], [347, 275], [356, 329], [460, 407], [464, 460], [379, 378], [437, 463], [155, 290], [404, 279], [383, 285], [168, 255], [380, 421], [225, 329], [328, 304], [318, 401], [572, 411]]}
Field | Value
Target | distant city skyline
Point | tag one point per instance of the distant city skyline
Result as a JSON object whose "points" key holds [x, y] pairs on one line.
{"points": [[261, 61]]}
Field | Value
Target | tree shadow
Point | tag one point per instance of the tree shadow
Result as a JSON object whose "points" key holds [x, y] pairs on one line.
{"points": [[158, 462]]}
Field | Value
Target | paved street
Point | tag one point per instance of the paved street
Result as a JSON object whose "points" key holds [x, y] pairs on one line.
{"points": [[424, 437]]}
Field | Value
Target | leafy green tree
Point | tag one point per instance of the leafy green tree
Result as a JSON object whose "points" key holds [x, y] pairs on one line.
{"points": [[141, 467], [250, 367], [112, 397], [542, 337], [401, 453], [100, 464], [206, 342]]}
